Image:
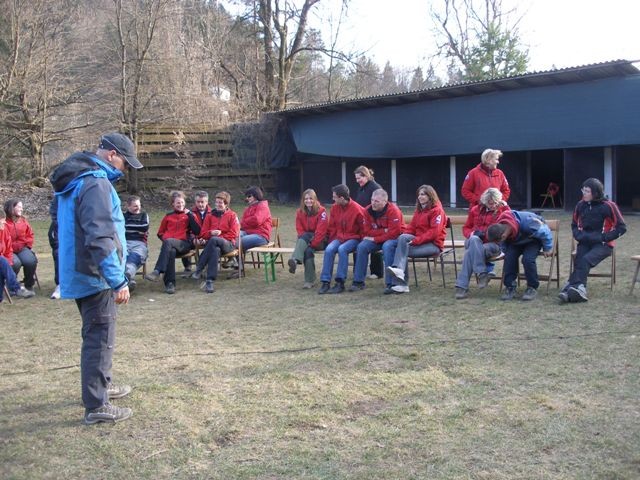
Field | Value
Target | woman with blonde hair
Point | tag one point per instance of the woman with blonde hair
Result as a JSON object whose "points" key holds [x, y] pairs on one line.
{"points": [[311, 227]]}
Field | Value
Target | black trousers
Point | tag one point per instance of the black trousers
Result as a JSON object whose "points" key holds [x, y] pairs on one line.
{"points": [[587, 257]]}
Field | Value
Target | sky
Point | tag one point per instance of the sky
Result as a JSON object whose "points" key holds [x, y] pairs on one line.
{"points": [[558, 33]]}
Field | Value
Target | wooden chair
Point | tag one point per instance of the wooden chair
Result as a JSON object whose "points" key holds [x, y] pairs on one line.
{"points": [[274, 242], [7, 295], [552, 191], [601, 274], [635, 258]]}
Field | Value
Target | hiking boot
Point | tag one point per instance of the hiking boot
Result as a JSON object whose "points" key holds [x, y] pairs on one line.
{"points": [[483, 279], [292, 265], [461, 293], [106, 413], [529, 294], [56, 293], [196, 275], [400, 289], [508, 294], [356, 286], [563, 296], [117, 391], [324, 288], [396, 272], [208, 286], [338, 287], [170, 288], [132, 285], [153, 276], [388, 290], [308, 285], [24, 293], [577, 294]]}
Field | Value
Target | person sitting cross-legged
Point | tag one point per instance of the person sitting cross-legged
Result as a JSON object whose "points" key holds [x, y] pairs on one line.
{"points": [[136, 231], [480, 249], [522, 234], [220, 231], [383, 223], [346, 219], [423, 237]]}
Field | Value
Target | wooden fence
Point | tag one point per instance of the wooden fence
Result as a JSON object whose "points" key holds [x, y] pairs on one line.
{"points": [[193, 157]]}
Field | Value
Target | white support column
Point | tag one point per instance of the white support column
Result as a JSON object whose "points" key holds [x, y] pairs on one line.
{"points": [[394, 181], [529, 179], [453, 191], [608, 171], [344, 172]]}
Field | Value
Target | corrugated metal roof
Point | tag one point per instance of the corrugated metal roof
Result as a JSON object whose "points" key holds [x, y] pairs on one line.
{"points": [[584, 73]]}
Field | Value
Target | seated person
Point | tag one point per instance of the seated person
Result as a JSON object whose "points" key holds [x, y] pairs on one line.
{"points": [[522, 234], [136, 230], [219, 233], [312, 223], [22, 242], [597, 222], [255, 226], [423, 237], [176, 231], [383, 224], [479, 248], [7, 275], [346, 221], [201, 210]]}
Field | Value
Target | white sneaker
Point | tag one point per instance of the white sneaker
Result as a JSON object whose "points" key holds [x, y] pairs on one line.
{"points": [[56, 293], [396, 272], [373, 276], [400, 288]]}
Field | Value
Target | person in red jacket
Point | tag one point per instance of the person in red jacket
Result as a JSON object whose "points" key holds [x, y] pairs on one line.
{"points": [[21, 241], [383, 224], [219, 233], [479, 248], [485, 175], [7, 275], [176, 231], [423, 237], [255, 226], [312, 224], [201, 210], [346, 223]]}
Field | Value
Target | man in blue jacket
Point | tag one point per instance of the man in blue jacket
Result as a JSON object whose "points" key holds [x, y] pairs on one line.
{"points": [[92, 255], [523, 234]]}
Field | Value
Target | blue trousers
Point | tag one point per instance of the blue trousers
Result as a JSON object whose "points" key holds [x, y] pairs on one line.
{"points": [[211, 254], [166, 263], [529, 252], [250, 240], [367, 247], [26, 260], [343, 249], [8, 276]]}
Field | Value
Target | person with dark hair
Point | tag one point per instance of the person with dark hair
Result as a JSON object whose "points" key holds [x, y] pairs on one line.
{"points": [[423, 237], [597, 223], [136, 225], [312, 224], [219, 232], [201, 210], [522, 234], [92, 253], [480, 249], [255, 226], [176, 231], [485, 175], [366, 185], [383, 224], [346, 222], [22, 242], [7, 275]]}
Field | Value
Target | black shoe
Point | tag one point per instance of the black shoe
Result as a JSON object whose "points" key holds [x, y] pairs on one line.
{"points": [[338, 287], [170, 288], [292, 265], [508, 294], [483, 280], [324, 288], [577, 294], [356, 286], [132, 285], [208, 286], [563, 296], [387, 290]]}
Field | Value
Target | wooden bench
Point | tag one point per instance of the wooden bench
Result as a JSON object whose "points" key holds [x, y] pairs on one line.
{"points": [[270, 256]]}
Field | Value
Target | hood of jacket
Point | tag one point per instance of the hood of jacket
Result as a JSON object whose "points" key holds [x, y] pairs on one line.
{"points": [[80, 164]]}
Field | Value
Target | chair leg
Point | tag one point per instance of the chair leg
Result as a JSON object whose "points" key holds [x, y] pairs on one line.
{"points": [[444, 283], [635, 278], [8, 295], [415, 272]]}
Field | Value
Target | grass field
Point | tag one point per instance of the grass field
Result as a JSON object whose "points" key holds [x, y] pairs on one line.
{"points": [[269, 381]]}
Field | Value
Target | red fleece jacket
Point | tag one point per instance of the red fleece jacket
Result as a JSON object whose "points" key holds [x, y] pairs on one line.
{"points": [[21, 233], [346, 223], [257, 219], [318, 224], [227, 223], [479, 179], [387, 226], [429, 225], [6, 250], [480, 219]]}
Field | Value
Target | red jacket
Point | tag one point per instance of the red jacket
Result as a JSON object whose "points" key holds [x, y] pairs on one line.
{"points": [[257, 219], [387, 226], [21, 233], [480, 219], [200, 218], [227, 222], [479, 179], [429, 225], [6, 250], [318, 224], [346, 223], [179, 225]]}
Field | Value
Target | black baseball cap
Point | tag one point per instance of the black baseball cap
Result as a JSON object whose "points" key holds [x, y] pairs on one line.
{"points": [[122, 145]]}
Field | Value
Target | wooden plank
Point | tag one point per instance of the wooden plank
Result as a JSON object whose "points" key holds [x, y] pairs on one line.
{"points": [[185, 148], [193, 128], [182, 137], [151, 162]]}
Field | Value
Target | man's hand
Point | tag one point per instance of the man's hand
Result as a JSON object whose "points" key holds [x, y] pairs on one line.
{"points": [[216, 233], [547, 254], [123, 295]]}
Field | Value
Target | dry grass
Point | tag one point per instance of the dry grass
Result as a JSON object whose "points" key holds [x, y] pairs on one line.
{"points": [[271, 381]]}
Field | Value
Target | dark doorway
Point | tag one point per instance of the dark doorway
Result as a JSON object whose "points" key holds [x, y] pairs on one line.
{"points": [[413, 172], [546, 167], [627, 177]]}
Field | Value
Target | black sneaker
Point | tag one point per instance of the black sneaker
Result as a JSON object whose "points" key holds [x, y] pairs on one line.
{"points": [[563, 296], [170, 288], [508, 294], [324, 288], [196, 275], [577, 294], [356, 286], [387, 290], [106, 413], [208, 286], [338, 287], [118, 391], [292, 265], [132, 285], [483, 280], [529, 294]]}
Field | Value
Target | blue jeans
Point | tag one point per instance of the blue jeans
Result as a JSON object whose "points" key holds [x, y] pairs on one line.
{"points": [[475, 259], [404, 251], [343, 250], [529, 252], [7, 275], [365, 248], [26, 260], [137, 253], [250, 240]]}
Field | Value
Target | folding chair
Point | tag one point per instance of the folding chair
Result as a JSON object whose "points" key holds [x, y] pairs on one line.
{"points": [[611, 274], [635, 258], [438, 256], [552, 190], [8, 295]]}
